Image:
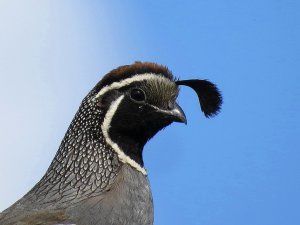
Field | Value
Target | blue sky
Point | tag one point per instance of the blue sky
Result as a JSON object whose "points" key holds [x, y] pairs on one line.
{"points": [[241, 167]]}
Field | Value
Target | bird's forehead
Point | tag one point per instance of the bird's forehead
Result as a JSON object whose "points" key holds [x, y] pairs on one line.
{"points": [[160, 89], [154, 83]]}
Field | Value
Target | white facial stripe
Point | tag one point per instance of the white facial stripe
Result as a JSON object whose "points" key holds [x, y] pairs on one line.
{"points": [[105, 128], [125, 82]]}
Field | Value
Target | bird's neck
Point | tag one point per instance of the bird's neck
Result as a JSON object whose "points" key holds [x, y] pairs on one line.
{"points": [[130, 146], [84, 163]]}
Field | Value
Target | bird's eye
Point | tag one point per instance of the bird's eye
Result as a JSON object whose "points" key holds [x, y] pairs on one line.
{"points": [[138, 95]]}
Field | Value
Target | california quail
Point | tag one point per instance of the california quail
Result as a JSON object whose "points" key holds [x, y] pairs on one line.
{"points": [[97, 175]]}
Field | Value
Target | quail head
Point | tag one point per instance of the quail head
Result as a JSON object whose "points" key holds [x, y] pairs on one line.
{"points": [[97, 175]]}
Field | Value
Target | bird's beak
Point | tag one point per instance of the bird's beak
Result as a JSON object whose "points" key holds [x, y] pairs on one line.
{"points": [[176, 114]]}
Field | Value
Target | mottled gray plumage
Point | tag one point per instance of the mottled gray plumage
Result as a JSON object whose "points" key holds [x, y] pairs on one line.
{"points": [[85, 183], [97, 176]]}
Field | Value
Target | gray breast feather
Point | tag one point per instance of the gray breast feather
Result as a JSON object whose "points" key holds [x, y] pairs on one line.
{"points": [[128, 201]]}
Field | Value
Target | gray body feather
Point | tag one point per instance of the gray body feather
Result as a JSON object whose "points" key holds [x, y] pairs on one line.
{"points": [[128, 201]]}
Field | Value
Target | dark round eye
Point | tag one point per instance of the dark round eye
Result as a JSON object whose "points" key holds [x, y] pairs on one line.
{"points": [[137, 95]]}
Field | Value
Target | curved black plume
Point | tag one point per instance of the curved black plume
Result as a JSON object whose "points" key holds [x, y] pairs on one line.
{"points": [[209, 96]]}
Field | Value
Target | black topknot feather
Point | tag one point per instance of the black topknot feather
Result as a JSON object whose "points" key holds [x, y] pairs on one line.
{"points": [[209, 95]]}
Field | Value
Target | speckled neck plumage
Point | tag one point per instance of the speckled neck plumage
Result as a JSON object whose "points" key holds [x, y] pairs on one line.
{"points": [[84, 164]]}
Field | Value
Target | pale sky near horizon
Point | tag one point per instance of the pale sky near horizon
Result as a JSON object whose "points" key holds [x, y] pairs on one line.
{"points": [[241, 167]]}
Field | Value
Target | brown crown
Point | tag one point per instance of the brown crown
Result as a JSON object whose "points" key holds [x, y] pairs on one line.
{"points": [[128, 71]]}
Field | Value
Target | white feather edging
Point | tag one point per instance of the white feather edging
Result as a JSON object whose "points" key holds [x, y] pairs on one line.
{"points": [[105, 128]]}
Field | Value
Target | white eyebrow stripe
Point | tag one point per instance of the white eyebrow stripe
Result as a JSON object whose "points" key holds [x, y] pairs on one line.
{"points": [[125, 82], [105, 128]]}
